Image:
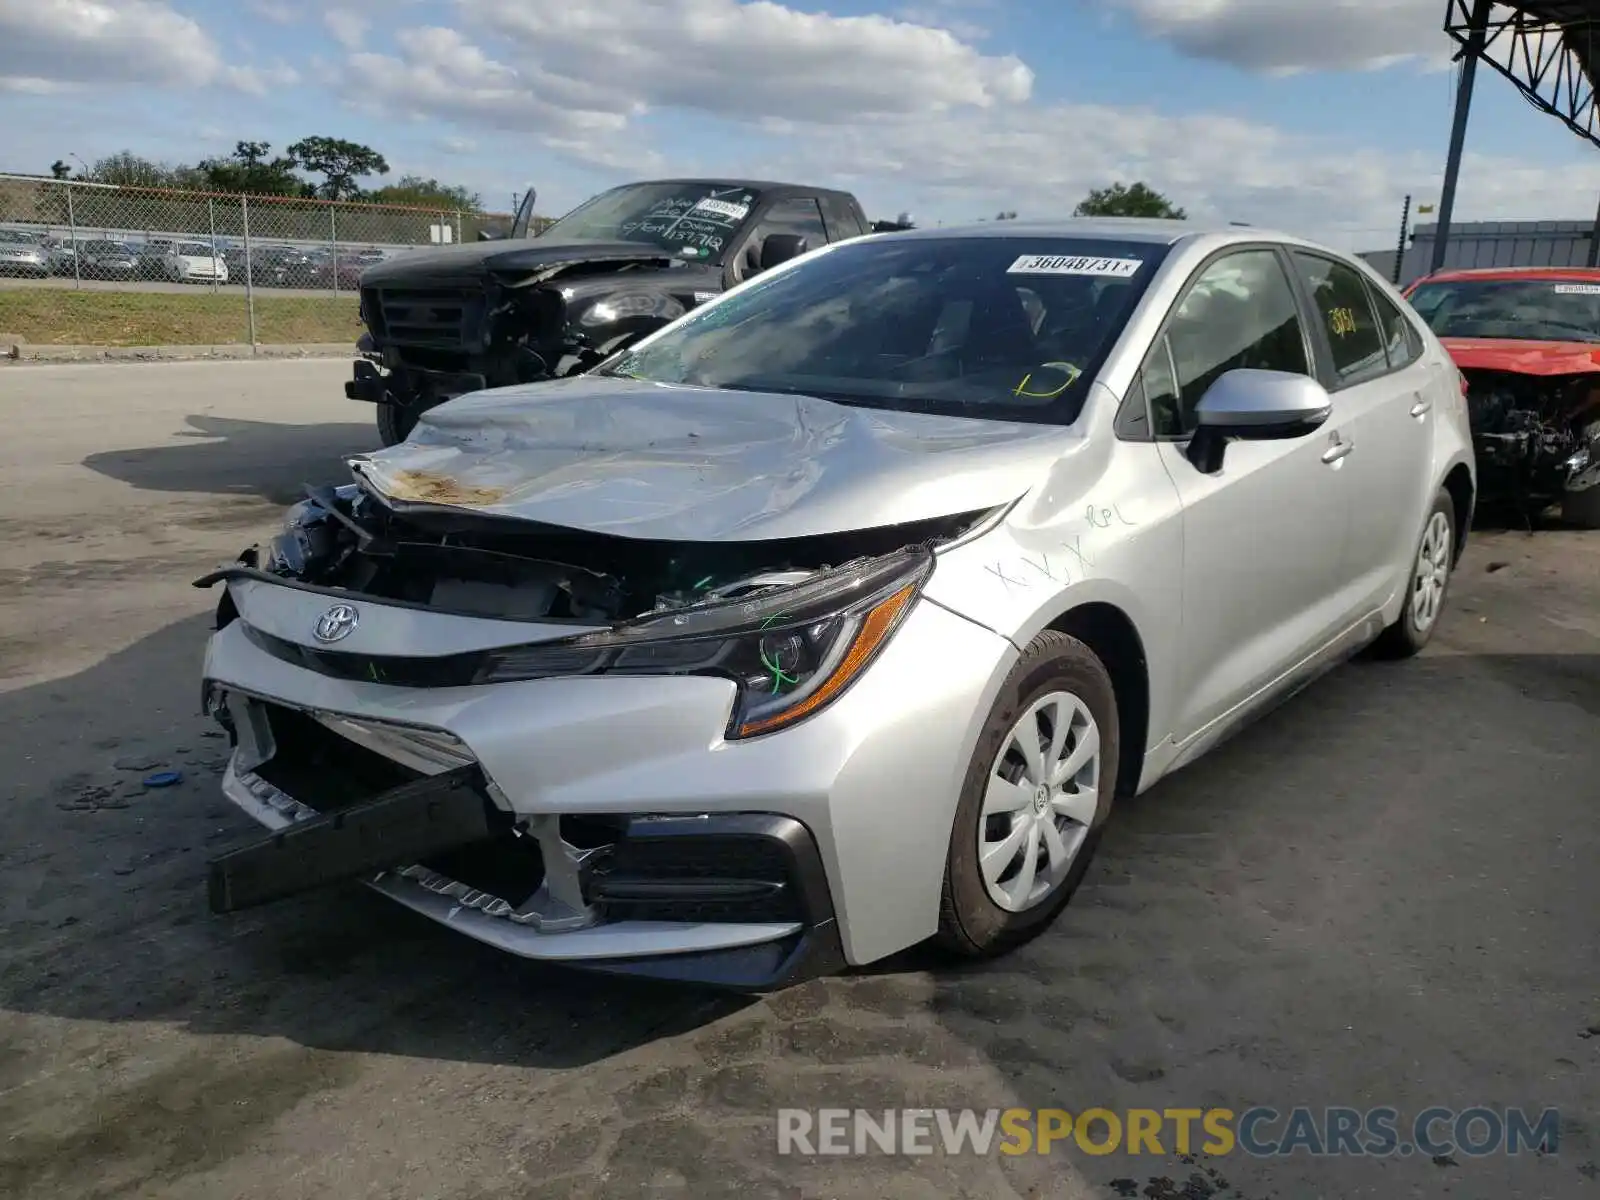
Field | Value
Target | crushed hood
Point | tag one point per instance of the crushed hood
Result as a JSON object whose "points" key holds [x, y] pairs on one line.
{"points": [[655, 461], [1524, 357], [512, 255]]}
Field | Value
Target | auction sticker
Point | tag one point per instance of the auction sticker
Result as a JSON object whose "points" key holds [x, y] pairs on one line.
{"points": [[1578, 289], [734, 212], [1075, 264]]}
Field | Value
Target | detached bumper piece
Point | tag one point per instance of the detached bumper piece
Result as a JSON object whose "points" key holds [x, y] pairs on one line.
{"points": [[409, 823], [729, 900]]}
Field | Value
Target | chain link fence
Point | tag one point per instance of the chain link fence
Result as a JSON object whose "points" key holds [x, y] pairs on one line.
{"points": [[91, 264]]}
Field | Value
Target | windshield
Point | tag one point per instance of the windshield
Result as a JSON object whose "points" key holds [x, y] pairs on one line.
{"points": [[692, 220], [1558, 310], [193, 250], [1009, 328], [7, 236]]}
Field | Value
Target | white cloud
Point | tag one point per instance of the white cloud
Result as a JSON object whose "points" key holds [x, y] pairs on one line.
{"points": [[348, 27], [1297, 35], [744, 59], [89, 42], [275, 11], [260, 81]]}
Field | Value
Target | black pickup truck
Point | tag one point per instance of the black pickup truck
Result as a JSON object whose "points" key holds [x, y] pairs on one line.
{"points": [[443, 322]]}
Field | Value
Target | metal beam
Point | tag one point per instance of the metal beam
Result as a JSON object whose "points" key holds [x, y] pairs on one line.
{"points": [[1477, 38]]}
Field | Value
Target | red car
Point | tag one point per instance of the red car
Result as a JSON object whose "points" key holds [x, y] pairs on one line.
{"points": [[1527, 342]]}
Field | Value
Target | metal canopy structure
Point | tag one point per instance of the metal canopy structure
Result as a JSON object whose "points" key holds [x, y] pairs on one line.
{"points": [[1549, 50]]}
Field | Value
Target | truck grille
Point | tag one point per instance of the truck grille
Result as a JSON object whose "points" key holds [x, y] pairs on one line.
{"points": [[440, 318]]}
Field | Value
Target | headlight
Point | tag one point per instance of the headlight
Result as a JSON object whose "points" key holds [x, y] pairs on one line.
{"points": [[791, 651]]}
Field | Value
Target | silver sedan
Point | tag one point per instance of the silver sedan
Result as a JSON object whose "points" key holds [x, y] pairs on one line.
{"points": [[839, 614]]}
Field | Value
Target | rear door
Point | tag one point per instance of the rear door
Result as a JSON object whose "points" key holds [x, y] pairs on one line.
{"points": [[1383, 400]]}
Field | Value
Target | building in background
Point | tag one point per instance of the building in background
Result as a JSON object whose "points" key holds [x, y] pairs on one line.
{"points": [[1491, 244]]}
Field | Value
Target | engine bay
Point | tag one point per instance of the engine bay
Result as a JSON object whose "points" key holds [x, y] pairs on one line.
{"points": [[350, 540], [1535, 436]]}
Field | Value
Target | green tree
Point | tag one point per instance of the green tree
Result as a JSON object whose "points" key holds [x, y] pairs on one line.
{"points": [[426, 193], [1119, 200], [249, 170], [127, 169], [60, 169], [340, 162]]}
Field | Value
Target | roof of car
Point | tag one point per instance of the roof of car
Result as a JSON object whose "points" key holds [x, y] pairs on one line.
{"points": [[1514, 274], [1127, 229], [755, 185]]}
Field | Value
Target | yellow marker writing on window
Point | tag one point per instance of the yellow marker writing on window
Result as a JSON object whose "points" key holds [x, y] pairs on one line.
{"points": [[1342, 321], [1071, 372]]}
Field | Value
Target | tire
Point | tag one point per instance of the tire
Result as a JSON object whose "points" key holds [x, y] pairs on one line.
{"points": [[395, 422], [1418, 619], [972, 924]]}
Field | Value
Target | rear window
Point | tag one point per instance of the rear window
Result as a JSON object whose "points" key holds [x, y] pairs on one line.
{"points": [[1557, 310]]}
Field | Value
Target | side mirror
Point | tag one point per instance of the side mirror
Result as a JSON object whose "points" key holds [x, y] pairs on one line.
{"points": [[780, 248], [1255, 405]]}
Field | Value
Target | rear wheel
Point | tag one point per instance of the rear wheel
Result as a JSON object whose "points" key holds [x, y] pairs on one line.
{"points": [[1426, 585], [1036, 795]]}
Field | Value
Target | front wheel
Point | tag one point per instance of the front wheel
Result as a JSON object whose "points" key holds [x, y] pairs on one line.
{"points": [[395, 422], [1036, 794], [1426, 585]]}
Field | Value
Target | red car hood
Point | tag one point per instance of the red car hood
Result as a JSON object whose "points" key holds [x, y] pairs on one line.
{"points": [[1524, 358]]}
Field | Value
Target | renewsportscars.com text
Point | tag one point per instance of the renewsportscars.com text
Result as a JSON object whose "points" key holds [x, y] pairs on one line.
{"points": [[1260, 1132]]}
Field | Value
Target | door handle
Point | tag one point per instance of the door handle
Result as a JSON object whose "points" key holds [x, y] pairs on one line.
{"points": [[1422, 405], [1337, 451]]}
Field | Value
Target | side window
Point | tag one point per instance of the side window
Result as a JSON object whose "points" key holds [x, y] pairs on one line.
{"points": [[1240, 312], [1133, 415], [1340, 296], [842, 220], [798, 216], [1161, 391], [1400, 336]]}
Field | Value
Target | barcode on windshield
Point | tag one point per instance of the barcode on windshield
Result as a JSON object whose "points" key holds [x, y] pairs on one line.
{"points": [[1075, 264], [734, 212], [1578, 289]]}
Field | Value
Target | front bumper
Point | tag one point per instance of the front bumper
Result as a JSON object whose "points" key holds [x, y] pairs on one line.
{"points": [[370, 383], [855, 804]]}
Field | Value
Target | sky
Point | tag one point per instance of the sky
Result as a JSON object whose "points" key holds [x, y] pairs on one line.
{"points": [[1314, 116]]}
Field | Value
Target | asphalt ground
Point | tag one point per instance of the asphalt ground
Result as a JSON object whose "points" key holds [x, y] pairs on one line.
{"points": [[1382, 894]]}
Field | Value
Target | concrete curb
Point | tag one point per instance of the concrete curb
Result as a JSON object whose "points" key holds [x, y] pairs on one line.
{"points": [[16, 351]]}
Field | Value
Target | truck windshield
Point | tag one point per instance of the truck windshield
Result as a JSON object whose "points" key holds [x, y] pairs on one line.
{"points": [[694, 220], [1005, 328], [1558, 310]]}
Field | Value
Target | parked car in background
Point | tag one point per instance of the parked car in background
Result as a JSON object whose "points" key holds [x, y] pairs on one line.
{"points": [[344, 270], [195, 262], [108, 260], [153, 255], [445, 320], [1527, 341], [21, 254], [62, 255], [841, 612]]}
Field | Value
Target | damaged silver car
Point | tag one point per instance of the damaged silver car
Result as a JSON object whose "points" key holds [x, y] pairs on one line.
{"points": [[838, 615]]}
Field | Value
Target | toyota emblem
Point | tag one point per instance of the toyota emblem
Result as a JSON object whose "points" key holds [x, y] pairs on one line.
{"points": [[335, 624]]}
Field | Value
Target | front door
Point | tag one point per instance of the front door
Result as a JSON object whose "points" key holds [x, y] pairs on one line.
{"points": [[1264, 537]]}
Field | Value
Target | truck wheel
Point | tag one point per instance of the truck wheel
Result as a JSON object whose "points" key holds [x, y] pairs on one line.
{"points": [[395, 422], [1036, 795]]}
